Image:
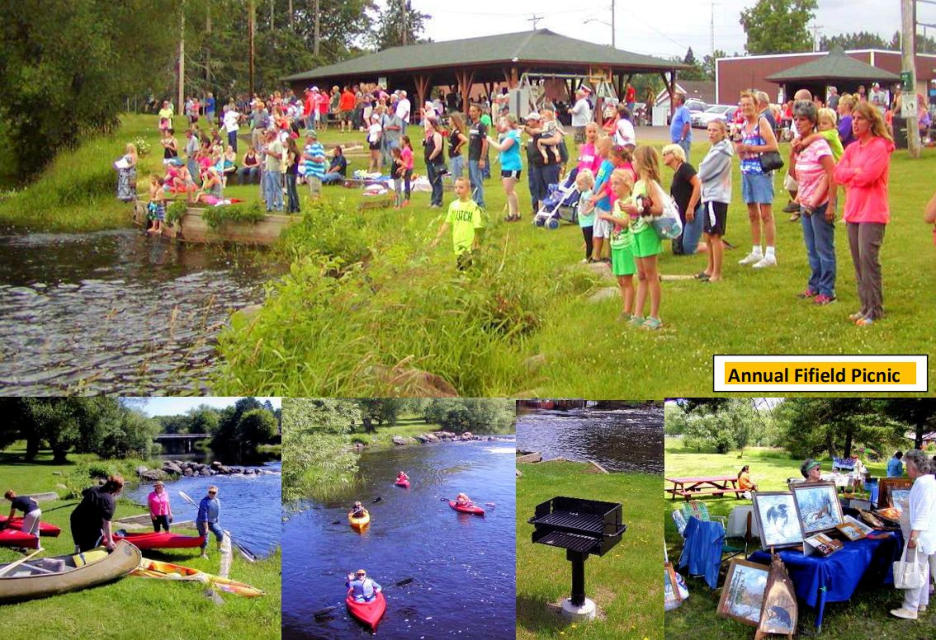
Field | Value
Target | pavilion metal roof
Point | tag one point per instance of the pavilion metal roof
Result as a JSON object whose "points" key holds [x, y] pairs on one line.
{"points": [[834, 66], [538, 48]]}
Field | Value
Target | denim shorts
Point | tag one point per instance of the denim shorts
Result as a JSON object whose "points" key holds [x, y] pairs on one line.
{"points": [[757, 188]]}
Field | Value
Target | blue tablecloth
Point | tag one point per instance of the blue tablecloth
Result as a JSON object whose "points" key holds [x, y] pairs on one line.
{"points": [[834, 578]]}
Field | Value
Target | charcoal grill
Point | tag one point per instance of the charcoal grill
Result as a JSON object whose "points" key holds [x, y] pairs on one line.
{"points": [[581, 527]]}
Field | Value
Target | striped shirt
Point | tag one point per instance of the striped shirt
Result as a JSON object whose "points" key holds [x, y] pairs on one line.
{"points": [[313, 168]]}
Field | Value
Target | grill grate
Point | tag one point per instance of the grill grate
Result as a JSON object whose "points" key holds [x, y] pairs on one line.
{"points": [[570, 541], [584, 522]]}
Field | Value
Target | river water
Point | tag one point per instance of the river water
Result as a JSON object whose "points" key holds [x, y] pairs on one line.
{"points": [[116, 312], [250, 505], [623, 439], [462, 565]]}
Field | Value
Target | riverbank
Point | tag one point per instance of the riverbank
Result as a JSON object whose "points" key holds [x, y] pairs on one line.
{"points": [[410, 431], [625, 583], [864, 616], [135, 608]]}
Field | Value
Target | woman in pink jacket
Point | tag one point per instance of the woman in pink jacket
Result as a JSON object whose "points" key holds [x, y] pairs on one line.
{"points": [[160, 509], [863, 170]]}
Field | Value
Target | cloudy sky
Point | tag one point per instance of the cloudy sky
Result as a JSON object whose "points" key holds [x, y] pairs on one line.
{"points": [[655, 27]]}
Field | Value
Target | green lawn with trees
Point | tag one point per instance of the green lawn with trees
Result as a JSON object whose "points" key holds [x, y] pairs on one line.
{"points": [[625, 583], [718, 437], [319, 435]]}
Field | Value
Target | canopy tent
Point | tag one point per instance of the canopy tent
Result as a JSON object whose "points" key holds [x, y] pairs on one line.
{"points": [[488, 60], [835, 69]]}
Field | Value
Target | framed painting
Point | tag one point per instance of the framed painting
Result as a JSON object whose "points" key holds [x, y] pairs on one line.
{"points": [[777, 519], [886, 488], [743, 592], [818, 507]]}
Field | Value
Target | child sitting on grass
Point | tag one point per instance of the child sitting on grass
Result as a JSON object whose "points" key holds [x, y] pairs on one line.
{"points": [[465, 219], [585, 182], [156, 208], [623, 265]]}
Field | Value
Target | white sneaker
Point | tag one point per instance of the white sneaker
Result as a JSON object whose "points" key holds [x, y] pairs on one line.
{"points": [[906, 614], [766, 261], [751, 258]]}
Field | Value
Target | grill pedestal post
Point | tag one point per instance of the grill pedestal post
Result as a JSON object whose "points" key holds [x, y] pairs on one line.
{"points": [[578, 576]]}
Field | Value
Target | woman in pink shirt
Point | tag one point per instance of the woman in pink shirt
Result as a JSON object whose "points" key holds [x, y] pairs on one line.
{"points": [[863, 170], [160, 509]]}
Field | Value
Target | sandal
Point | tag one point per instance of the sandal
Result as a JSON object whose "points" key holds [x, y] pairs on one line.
{"points": [[636, 321], [652, 324], [704, 277]]}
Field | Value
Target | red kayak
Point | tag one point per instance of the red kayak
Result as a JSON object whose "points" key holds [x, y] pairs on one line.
{"points": [[15, 538], [402, 483], [368, 613], [45, 528], [161, 540], [468, 508]]}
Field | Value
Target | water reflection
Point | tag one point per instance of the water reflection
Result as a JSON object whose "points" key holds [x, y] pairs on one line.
{"points": [[622, 439]]}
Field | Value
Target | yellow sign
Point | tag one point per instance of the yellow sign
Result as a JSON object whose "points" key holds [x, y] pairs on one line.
{"points": [[820, 373]]}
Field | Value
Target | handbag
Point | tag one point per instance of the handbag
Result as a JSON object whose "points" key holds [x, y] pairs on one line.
{"points": [[770, 161], [907, 575], [667, 225]]}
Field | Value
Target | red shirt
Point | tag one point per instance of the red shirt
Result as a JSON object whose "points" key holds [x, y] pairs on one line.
{"points": [[346, 102]]}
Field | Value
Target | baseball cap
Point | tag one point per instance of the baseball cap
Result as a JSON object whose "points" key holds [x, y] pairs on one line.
{"points": [[533, 115]]}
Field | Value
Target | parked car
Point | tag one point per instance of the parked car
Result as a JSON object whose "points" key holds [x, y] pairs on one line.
{"points": [[726, 112], [694, 105]]}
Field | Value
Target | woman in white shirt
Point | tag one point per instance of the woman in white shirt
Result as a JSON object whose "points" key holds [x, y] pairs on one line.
{"points": [[921, 539]]}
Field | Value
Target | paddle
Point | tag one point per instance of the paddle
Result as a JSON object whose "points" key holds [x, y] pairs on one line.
{"points": [[247, 554], [327, 610], [13, 565]]}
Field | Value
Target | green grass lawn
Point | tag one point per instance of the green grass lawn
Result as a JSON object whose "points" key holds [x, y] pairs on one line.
{"points": [[135, 608], [523, 323], [625, 583], [865, 616]]}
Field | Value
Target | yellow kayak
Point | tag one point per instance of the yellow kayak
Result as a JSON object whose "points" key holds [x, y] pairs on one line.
{"points": [[168, 571], [359, 523]]}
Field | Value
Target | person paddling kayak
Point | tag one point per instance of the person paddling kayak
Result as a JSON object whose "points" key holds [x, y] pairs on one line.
{"points": [[363, 589], [463, 500], [209, 515], [31, 513], [401, 477], [357, 511]]}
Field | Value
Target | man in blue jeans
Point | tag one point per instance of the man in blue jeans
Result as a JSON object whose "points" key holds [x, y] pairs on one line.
{"points": [[477, 151], [209, 515], [681, 125]]}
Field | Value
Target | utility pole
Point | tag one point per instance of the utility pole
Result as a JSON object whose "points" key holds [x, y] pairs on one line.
{"points": [[290, 9], [251, 29], [404, 11], [908, 75], [181, 104], [815, 36], [712, 31], [613, 45], [315, 36], [535, 19]]}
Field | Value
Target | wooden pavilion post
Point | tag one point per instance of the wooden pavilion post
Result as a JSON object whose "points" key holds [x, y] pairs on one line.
{"points": [[421, 80], [514, 78], [670, 88], [465, 79]]}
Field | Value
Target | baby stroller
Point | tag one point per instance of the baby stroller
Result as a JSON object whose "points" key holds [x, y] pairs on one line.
{"points": [[560, 203]]}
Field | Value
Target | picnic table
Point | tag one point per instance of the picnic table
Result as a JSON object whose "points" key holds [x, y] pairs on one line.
{"points": [[697, 486]]}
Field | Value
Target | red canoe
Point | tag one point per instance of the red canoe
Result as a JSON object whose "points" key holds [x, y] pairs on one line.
{"points": [[15, 538], [45, 528], [368, 613], [478, 511], [402, 483], [161, 540]]}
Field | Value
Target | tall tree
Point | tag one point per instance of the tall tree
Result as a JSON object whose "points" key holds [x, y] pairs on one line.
{"points": [[778, 26], [398, 25], [811, 426], [918, 413], [689, 58], [66, 68]]}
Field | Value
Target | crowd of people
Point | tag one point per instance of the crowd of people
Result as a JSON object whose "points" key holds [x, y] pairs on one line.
{"points": [[844, 142]]}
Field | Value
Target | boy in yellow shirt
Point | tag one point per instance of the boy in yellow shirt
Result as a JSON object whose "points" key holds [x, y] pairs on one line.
{"points": [[465, 219]]}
